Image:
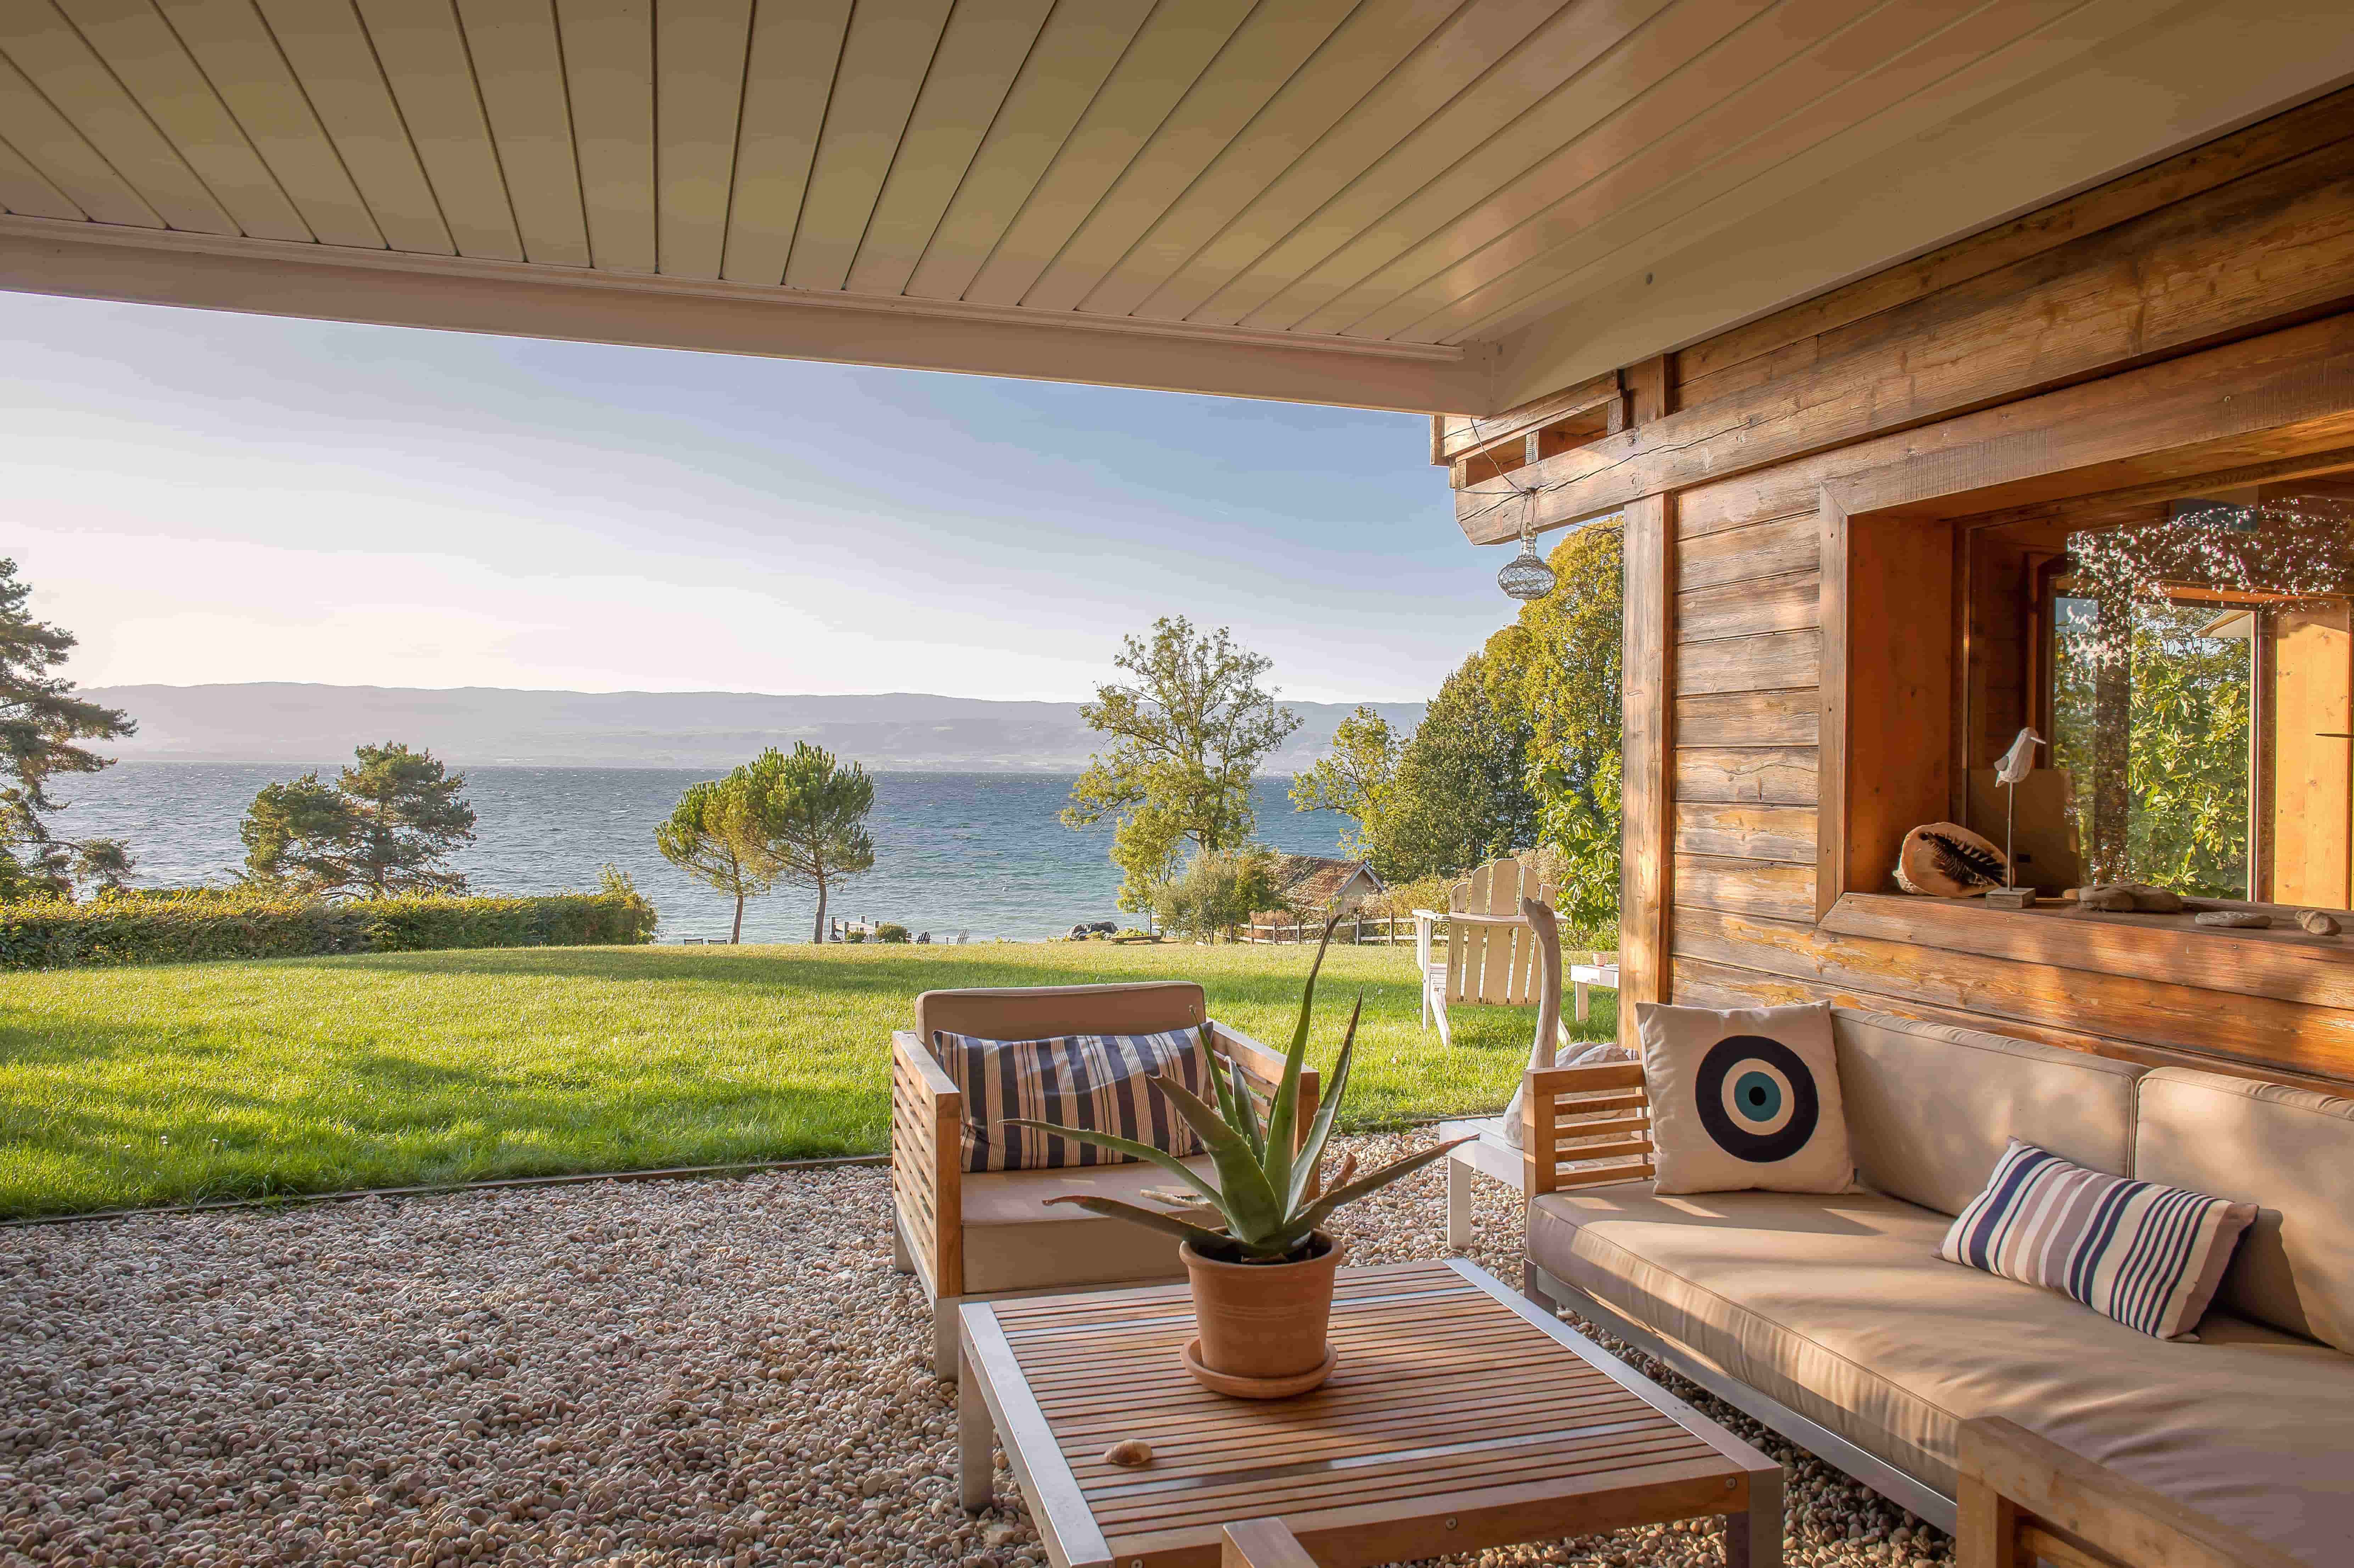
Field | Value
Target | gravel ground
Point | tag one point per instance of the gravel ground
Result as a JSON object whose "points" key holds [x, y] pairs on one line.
{"points": [[622, 1373]]}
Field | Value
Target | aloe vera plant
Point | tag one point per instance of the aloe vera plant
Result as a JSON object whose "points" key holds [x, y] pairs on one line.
{"points": [[1264, 1188]]}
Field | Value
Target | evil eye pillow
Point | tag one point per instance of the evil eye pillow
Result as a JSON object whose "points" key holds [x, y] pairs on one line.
{"points": [[1744, 1098]]}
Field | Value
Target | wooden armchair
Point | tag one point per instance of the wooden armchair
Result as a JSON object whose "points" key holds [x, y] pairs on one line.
{"points": [[1584, 1127], [1492, 957], [2024, 1500], [969, 1235]]}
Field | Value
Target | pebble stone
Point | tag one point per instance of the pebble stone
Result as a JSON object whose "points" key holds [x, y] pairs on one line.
{"points": [[623, 1373]]}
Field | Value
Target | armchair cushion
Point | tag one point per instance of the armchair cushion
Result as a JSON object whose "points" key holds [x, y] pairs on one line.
{"points": [[1014, 1241], [1090, 1081]]}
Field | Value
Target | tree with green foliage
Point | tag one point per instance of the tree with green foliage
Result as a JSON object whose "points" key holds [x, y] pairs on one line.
{"points": [[1219, 891], [40, 720], [1352, 779], [383, 828], [807, 815], [1461, 792], [1189, 731], [706, 837]]}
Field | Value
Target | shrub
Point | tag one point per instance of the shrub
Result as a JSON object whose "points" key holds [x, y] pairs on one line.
{"points": [[887, 932], [1219, 891], [855, 934], [188, 926]]}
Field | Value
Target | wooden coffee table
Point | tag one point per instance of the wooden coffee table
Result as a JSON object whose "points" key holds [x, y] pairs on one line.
{"points": [[1461, 1416]]}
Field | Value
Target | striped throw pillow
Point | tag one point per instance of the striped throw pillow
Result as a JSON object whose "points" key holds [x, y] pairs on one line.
{"points": [[2148, 1255], [1094, 1081]]}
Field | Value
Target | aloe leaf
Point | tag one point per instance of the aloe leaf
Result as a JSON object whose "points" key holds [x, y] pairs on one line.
{"points": [[1197, 1234], [1128, 1145], [1245, 1110], [1224, 1091], [1319, 1212], [1304, 1171], [1245, 1198], [1283, 1116]]}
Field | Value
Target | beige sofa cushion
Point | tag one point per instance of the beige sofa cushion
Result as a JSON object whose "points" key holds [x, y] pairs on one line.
{"points": [[2290, 1152], [1838, 1308], [1013, 1241], [1931, 1107]]}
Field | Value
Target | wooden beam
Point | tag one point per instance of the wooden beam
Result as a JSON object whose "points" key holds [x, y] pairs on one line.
{"points": [[455, 293], [1647, 790], [2165, 284], [1455, 436], [1650, 389]]}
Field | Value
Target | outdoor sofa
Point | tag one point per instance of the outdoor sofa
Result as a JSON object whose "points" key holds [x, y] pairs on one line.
{"points": [[1832, 1319]]}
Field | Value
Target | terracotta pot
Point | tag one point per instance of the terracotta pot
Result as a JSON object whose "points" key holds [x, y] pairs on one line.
{"points": [[1263, 1322]]}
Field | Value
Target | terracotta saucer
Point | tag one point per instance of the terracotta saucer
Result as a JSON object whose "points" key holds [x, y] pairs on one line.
{"points": [[1258, 1387]]}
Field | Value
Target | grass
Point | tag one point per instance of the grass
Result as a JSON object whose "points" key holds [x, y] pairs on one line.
{"points": [[179, 1082]]}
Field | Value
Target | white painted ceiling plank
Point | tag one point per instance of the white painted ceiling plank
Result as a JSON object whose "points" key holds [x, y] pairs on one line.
{"points": [[1939, 80], [519, 70], [1427, 84], [980, 55], [1296, 125], [1811, 94], [891, 47], [48, 141], [232, 46], [138, 45], [699, 54], [61, 65], [795, 47], [324, 42], [1635, 63], [608, 74], [25, 191], [1169, 55], [1073, 57], [1258, 62], [423, 54]]}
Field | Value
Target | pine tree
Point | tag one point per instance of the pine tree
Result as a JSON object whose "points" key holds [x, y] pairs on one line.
{"points": [[384, 827], [40, 719], [809, 813], [706, 837]]}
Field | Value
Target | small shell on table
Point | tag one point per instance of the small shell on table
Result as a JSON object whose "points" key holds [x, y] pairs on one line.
{"points": [[1132, 1452], [2319, 924]]}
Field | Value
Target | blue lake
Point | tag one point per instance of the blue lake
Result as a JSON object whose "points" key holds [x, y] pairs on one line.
{"points": [[981, 852]]}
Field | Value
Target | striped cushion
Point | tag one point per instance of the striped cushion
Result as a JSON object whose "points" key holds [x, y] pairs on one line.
{"points": [[2148, 1255], [1094, 1081]]}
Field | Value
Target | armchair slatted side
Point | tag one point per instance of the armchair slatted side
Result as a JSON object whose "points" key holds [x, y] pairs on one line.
{"points": [[1584, 1127]]}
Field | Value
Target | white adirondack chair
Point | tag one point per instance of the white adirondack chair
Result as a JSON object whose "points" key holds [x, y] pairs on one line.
{"points": [[1492, 956]]}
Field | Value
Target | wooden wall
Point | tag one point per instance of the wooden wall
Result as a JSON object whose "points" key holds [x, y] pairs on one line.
{"points": [[1798, 494]]}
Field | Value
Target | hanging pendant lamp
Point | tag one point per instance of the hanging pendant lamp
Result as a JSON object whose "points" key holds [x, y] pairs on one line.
{"points": [[1526, 576]]}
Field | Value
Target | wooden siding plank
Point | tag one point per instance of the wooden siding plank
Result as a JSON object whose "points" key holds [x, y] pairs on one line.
{"points": [[979, 58], [24, 190], [608, 80], [423, 56], [1788, 339], [1770, 549], [61, 155], [1454, 435], [1746, 775], [1430, 81], [1784, 833], [1611, 102], [230, 43], [2253, 1029], [1528, 82], [1274, 44], [1778, 661], [1299, 124], [1792, 603], [53, 57], [519, 68], [1066, 68], [2166, 283], [335, 66], [795, 51], [1748, 718], [874, 93], [699, 57], [1774, 888], [1652, 766], [1174, 49], [137, 46]]}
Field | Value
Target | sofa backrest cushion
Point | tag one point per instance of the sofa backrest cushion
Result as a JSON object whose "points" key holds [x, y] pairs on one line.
{"points": [[2289, 1151], [1037, 1012], [1931, 1107]]}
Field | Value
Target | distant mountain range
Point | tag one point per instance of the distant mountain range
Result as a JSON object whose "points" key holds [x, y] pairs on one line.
{"points": [[891, 732]]}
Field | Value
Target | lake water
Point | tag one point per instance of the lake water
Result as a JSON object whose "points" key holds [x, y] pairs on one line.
{"points": [[975, 851]]}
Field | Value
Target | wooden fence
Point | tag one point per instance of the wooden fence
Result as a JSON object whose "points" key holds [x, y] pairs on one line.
{"points": [[1373, 930]]}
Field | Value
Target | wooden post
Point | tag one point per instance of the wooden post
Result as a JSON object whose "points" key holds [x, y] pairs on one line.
{"points": [[1648, 791]]}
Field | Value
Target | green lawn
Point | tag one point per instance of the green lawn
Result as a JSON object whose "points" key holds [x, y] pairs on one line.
{"points": [[177, 1083]]}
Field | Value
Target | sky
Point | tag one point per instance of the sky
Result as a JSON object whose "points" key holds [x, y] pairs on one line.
{"points": [[203, 496]]}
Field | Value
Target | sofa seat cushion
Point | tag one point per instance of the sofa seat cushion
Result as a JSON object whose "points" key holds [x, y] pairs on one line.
{"points": [[1013, 1241], [1838, 1308]]}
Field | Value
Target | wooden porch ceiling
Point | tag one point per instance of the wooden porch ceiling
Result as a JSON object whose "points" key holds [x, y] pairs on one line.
{"points": [[1390, 202]]}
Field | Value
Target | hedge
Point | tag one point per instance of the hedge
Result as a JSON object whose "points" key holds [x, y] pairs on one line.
{"points": [[52, 934]]}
